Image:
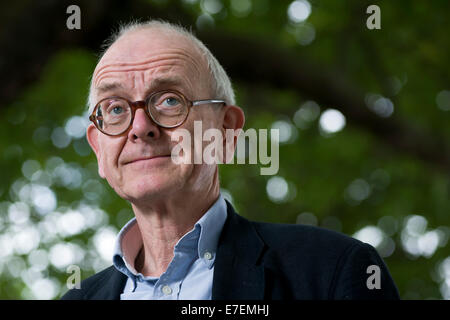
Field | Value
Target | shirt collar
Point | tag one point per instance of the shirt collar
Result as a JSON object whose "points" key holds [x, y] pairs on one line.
{"points": [[210, 225], [203, 238]]}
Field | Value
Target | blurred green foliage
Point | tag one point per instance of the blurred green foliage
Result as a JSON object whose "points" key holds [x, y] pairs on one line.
{"points": [[349, 181]]}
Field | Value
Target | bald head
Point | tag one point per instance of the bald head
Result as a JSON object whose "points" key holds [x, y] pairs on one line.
{"points": [[139, 44]]}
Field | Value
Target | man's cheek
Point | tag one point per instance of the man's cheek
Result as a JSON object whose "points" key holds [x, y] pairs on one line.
{"points": [[107, 160], [103, 168]]}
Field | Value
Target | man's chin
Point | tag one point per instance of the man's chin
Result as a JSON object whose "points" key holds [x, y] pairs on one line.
{"points": [[151, 189]]}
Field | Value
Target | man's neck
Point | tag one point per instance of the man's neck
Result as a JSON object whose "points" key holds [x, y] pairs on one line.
{"points": [[164, 223]]}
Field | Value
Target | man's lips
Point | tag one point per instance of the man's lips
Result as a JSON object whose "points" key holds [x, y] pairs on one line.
{"points": [[146, 158]]}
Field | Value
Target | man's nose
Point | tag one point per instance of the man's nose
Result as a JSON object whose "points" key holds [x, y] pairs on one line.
{"points": [[143, 127]]}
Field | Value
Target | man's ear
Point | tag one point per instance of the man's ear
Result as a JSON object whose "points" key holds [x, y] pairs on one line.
{"points": [[234, 119], [92, 138]]}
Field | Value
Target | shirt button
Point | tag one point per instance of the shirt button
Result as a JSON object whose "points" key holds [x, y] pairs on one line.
{"points": [[166, 290], [207, 255]]}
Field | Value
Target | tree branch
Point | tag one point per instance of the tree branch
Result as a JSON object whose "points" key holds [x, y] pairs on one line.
{"points": [[29, 40]]}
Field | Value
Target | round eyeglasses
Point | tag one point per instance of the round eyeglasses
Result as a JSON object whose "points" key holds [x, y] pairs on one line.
{"points": [[168, 109]]}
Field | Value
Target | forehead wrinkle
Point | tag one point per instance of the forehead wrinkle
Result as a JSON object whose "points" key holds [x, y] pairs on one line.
{"points": [[128, 73], [147, 70], [156, 56], [158, 82], [147, 63]]}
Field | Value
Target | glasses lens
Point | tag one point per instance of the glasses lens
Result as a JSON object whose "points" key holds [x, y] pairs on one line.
{"points": [[168, 108], [113, 115]]}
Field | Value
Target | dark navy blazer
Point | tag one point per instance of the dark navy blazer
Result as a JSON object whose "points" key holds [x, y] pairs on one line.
{"points": [[275, 261]]}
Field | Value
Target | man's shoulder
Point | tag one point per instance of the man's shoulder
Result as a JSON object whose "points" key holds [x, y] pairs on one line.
{"points": [[293, 236], [329, 264], [297, 235], [91, 285], [317, 245]]}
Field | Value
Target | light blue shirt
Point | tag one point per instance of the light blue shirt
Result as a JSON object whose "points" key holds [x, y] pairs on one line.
{"points": [[189, 275]]}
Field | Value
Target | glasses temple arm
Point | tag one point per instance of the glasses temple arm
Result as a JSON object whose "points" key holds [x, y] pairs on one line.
{"points": [[199, 102]]}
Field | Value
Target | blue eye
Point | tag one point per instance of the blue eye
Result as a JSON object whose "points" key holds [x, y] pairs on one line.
{"points": [[171, 101], [117, 110]]}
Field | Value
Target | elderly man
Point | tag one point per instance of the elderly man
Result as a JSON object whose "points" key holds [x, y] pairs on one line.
{"points": [[186, 241]]}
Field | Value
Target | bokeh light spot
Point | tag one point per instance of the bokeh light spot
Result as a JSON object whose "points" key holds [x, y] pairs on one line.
{"points": [[332, 121], [299, 11]]}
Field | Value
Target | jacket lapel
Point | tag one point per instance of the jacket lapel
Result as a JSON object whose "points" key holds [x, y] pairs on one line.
{"points": [[110, 288], [237, 274]]}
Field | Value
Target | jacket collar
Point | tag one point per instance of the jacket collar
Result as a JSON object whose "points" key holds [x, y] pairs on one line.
{"points": [[110, 286], [238, 273]]}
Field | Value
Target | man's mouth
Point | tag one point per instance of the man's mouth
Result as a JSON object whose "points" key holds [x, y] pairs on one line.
{"points": [[147, 158]]}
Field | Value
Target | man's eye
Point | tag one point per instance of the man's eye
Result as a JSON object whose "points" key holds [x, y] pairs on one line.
{"points": [[170, 102], [116, 110]]}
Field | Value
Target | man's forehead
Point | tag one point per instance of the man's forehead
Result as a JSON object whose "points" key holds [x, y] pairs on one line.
{"points": [[151, 50], [138, 45], [162, 81]]}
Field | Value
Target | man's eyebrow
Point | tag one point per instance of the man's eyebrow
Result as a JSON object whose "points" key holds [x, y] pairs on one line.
{"points": [[165, 82], [109, 87]]}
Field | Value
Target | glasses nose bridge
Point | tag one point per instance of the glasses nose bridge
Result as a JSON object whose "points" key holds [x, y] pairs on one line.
{"points": [[138, 105]]}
